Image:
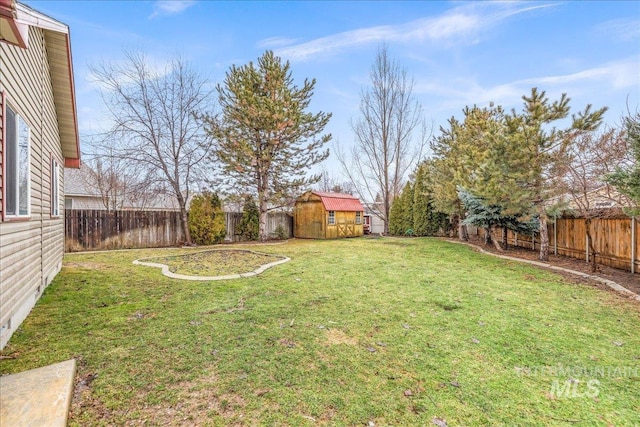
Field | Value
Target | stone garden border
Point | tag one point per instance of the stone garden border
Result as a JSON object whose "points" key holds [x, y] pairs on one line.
{"points": [[262, 268]]}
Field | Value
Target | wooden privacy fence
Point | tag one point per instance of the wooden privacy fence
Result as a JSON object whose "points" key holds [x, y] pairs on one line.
{"points": [[616, 240], [274, 220], [100, 230]]}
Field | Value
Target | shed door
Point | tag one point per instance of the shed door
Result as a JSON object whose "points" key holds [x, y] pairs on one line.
{"points": [[346, 228], [316, 230]]}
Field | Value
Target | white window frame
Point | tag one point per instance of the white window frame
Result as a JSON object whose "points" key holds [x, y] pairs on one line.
{"points": [[55, 188], [22, 131], [358, 217], [332, 218]]}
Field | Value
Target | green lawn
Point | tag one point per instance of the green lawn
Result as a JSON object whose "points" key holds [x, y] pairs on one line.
{"points": [[390, 331]]}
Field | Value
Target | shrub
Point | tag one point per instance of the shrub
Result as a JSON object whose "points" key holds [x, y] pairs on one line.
{"points": [[250, 224], [206, 219], [281, 233]]}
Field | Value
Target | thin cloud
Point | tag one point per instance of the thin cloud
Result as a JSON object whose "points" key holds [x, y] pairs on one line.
{"points": [[461, 23], [614, 76], [170, 7], [275, 42], [621, 29], [617, 75]]}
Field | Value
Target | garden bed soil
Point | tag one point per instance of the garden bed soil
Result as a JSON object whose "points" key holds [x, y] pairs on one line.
{"points": [[621, 277]]}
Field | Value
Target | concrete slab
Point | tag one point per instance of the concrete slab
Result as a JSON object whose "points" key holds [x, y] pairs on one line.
{"points": [[39, 397]]}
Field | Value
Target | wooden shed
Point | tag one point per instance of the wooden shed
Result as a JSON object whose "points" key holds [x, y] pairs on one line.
{"points": [[319, 215]]}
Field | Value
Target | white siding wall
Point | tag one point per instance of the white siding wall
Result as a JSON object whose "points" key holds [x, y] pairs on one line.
{"points": [[30, 251], [377, 225]]}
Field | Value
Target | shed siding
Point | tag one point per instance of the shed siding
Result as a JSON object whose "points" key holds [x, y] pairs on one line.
{"points": [[30, 251], [311, 220], [345, 225]]}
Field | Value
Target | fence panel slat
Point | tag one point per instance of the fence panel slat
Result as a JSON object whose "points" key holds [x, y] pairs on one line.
{"points": [[96, 230], [611, 238]]}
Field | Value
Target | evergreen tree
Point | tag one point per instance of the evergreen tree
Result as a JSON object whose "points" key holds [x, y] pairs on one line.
{"points": [[459, 151], [266, 138], [401, 213], [421, 201], [206, 219], [491, 216], [535, 151], [426, 220], [249, 225]]}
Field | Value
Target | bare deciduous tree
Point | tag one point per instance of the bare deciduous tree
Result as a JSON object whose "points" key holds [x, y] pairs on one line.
{"points": [[386, 145], [155, 125], [592, 157], [330, 183], [118, 183]]}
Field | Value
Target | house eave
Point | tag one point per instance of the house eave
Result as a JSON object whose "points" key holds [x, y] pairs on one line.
{"points": [[58, 44]]}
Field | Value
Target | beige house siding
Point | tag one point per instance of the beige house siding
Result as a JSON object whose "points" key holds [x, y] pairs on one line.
{"points": [[31, 251], [1, 140]]}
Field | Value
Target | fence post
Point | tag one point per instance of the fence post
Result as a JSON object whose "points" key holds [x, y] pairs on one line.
{"points": [[555, 235], [633, 244]]}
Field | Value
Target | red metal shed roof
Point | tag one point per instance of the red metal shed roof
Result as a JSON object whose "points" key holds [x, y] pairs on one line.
{"points": [[339, 202]]}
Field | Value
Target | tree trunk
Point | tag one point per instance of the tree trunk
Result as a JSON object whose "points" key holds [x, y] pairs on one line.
{"points": [[262, 227], [487, 236], [544, 237], [184, 219], [592, 248], [505, 240], [387, 210], [184, 222], [453, 220], [463, 233], [495, 240]]}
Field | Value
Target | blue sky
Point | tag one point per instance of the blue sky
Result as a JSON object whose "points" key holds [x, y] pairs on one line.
{"points": [[459, 53]]}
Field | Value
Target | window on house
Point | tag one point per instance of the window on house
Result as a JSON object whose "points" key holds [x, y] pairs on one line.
{"points": [[18, 169], [332, 217], [55, 188], [358, 217], [68, 203]]}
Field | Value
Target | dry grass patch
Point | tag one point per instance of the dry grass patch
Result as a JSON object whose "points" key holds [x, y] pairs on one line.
{"points": [[336, 337], [87, 265], [216, 262]]}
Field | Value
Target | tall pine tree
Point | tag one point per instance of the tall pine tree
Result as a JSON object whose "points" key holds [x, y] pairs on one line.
{"points": [[266, 138], [536, 152], [401, 212], [426, 220]]}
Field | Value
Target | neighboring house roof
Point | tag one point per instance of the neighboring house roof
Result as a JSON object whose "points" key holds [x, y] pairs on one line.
{"points": [[15, 20], [373, 208], [76, 183], [603, 197], [339, 202]]}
